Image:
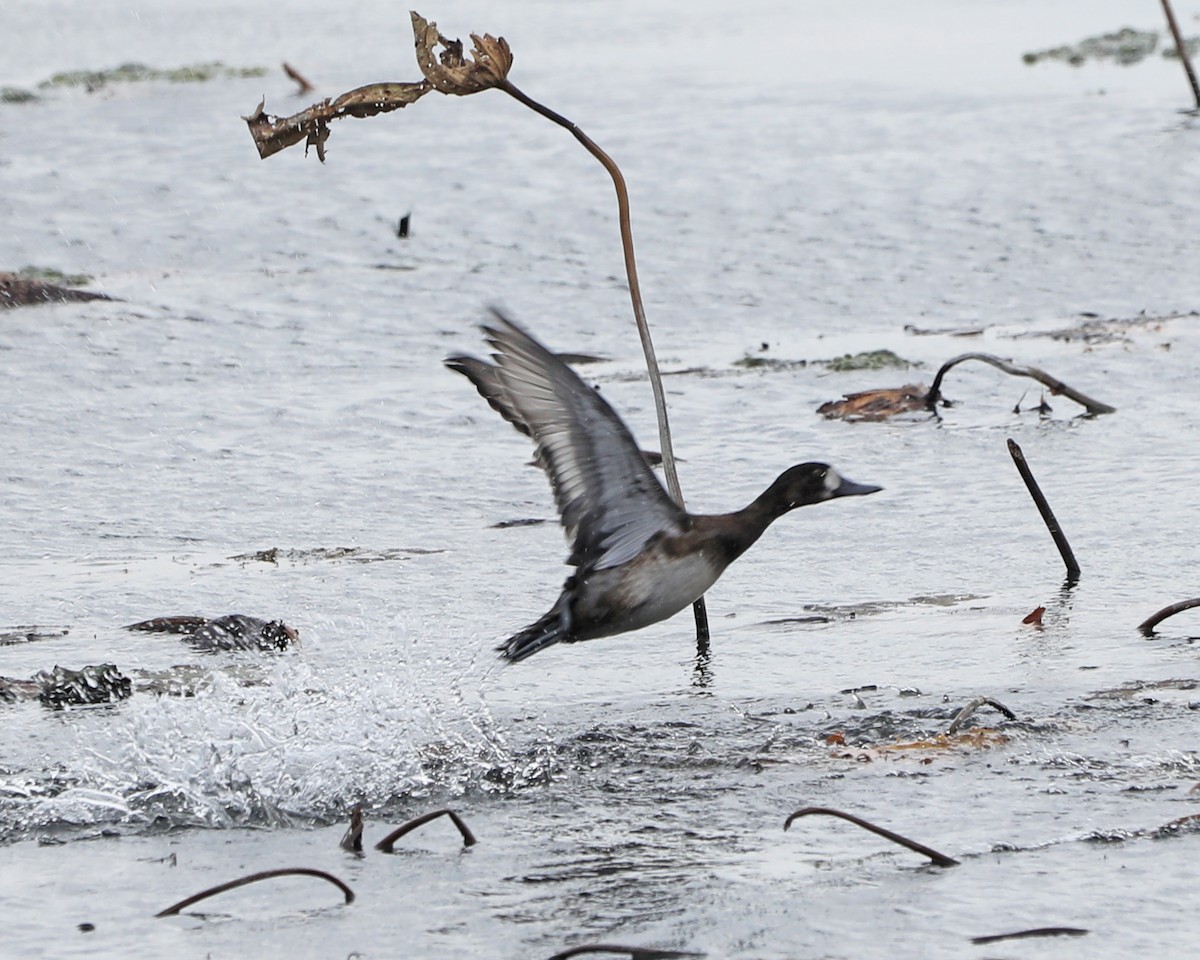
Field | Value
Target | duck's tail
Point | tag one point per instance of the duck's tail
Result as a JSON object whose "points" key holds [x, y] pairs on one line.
{"points": [[545, 632]]}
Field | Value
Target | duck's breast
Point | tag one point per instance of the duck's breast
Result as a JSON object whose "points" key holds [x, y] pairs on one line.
{"points": [[648, 589]]}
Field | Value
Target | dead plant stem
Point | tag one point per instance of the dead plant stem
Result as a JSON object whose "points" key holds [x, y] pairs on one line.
{"points": [[639, 312], [1181, 47]]}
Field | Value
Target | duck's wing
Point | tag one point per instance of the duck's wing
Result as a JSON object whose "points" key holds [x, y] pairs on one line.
{"points": [[610, 502]]}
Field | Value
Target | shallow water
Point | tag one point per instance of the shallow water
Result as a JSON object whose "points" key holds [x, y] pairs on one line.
{"points": [[803, 177]]}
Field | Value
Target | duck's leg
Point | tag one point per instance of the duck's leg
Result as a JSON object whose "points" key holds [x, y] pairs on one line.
{"points": [[554, 627]]}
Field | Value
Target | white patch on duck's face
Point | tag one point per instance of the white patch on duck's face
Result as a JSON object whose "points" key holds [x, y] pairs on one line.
{"points": [[833, 480]]}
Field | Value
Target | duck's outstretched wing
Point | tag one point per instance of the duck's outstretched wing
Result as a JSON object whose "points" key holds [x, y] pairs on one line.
{"points": [[610, 502]]}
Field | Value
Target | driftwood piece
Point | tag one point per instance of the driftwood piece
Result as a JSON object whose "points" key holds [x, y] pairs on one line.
{"points": [[1147, 626]]}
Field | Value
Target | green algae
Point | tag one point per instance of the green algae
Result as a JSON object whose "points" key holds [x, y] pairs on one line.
{"points": [[140, 73]]}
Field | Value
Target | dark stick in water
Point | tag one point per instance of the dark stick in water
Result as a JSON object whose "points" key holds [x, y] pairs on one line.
{"points": [[1035, 491], [634, 953], [1182, 48], [940, 859], [966, 712], [254, 878], [1037, 932], [1147, 626]]}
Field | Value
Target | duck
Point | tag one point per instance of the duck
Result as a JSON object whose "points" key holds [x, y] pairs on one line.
{"points": [[638, 556]]}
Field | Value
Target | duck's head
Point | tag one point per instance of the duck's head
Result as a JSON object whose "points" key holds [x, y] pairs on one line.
{"points": [[807, 483]]}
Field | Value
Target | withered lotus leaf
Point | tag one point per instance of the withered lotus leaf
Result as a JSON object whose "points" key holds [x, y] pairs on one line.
{"points": [[448, 71]]}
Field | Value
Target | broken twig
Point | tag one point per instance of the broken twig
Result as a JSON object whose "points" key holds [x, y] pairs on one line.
{"points": [[254, 878], [387, 844], [1147, 626], [352, 838], [939, 859], [1060, 539], [965, 713], [305, 86]]}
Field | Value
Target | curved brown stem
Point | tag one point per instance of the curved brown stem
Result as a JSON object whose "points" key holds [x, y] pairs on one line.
{"points": [[939, 859], [639, 312], [1147, 626], [1060, 538], [254, 878], [388, 843], [1055, 385]]}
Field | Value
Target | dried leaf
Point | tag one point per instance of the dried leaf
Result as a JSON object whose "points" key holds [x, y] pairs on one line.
{"points": [[272, 134], [1035, 617], [876, 404], [448, 71]]}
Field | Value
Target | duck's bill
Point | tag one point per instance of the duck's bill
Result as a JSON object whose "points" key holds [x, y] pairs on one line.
{"points": [[848, 488]]}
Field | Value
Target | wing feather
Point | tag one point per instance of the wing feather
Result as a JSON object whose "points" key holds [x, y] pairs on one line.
{"points": [[608, 498]]}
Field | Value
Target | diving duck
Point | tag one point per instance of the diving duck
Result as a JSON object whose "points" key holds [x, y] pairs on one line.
{"points": [[638, 556]]}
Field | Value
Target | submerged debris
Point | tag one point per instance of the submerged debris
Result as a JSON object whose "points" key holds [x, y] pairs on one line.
{"points": [[891, 401], [236, 631], [14, 635], [61, 687], [32, 286]]}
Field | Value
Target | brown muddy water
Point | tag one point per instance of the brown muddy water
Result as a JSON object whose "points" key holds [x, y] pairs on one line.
{"points": [[261, 424]]}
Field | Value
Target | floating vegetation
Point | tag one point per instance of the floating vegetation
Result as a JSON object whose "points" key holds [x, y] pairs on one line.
{"points": [[868, 360], [351, 554], [1094, 329], [1125, 47], [17, 95], [92, 80]]}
